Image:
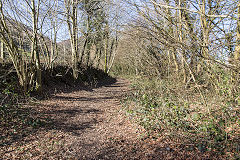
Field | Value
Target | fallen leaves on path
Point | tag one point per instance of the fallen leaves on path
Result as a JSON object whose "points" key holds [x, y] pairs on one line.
{"points": [[86, 124]]}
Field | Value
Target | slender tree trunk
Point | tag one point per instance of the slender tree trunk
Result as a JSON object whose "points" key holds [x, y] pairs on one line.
{"points": [[113, 54], [175, 60], [106, 55], [99, 58], [106, 48], [181, 41], [74, 39], [2, 52], [237, 48], [205, 30], [35, 52], [71, 11], [174, 52], [83, 50], [88, 42]]}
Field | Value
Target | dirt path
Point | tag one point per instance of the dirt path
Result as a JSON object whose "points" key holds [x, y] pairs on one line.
{"points": [[87, 124], [82, 123]]}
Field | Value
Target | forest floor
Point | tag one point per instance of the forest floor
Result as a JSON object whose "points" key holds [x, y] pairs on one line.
{"points": [[86, 124]]}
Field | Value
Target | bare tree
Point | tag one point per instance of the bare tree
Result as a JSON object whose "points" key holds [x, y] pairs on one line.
{"points": [[20, 34], [71, 12]]}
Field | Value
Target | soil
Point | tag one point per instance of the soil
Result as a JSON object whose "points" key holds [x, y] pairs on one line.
{"points": [[86, 124]]}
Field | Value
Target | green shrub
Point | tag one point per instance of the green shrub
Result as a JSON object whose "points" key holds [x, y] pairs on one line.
{"points": [[163, 109]]}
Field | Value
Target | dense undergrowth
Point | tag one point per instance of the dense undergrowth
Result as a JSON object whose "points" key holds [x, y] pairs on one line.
{"points": [[17, 118], [199, 119]]}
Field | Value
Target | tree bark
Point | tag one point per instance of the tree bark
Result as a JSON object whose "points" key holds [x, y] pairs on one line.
{"points": [[2, 52], [35, 52], [237, 47]]}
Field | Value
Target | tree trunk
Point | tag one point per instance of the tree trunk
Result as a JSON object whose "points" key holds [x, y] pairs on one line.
{"points": [[2, 52], [181, 41], [74, 38], [35, 52], [205, 30], [106, 48], [237, 48]]}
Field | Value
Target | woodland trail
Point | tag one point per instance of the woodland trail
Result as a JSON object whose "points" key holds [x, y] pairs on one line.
{"points": [[86, 124]]}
